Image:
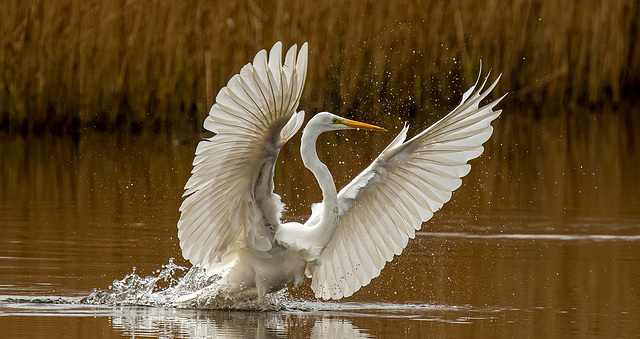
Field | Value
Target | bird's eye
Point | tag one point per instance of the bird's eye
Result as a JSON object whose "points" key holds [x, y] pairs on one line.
{"points": [[334, 120]]}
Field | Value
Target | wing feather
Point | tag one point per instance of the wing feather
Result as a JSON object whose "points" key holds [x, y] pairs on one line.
{"points": [[229, 199], [381, 209]]}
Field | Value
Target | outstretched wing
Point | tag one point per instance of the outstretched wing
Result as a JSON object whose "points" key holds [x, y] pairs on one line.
{"points": [[229, 200], [409, 181]]}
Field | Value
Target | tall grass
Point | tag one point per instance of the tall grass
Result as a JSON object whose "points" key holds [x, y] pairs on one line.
{"points": [[65, 64]]}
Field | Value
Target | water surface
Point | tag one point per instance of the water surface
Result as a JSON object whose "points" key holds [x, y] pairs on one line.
{"points": [[542, 239]]}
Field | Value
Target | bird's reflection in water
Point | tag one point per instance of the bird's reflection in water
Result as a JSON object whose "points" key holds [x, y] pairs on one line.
{"points": [[179, 323]]}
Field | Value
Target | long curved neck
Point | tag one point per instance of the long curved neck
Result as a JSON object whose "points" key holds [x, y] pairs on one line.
{"points": [[326, 227]]}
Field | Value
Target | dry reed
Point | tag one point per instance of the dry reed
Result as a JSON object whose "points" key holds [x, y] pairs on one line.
{"points": [[107, 64]]}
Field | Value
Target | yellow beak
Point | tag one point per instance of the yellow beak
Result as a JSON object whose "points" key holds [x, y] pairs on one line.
{"points": [[361, 125]]}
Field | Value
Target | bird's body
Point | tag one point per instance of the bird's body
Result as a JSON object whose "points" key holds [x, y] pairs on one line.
{"points": [[231, 218], [254, 276]]}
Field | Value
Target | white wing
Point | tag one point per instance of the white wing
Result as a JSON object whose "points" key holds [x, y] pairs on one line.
{"points": [[229, 197], [409, 181]]}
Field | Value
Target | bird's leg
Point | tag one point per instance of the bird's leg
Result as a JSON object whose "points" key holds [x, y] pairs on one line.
{"points": [[262, 288]]}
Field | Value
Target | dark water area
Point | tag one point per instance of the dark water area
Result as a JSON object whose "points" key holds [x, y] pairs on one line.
{"points": [[542, 239]]}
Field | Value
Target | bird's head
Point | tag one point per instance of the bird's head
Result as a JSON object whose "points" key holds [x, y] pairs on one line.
{"points": [[326, 121]]}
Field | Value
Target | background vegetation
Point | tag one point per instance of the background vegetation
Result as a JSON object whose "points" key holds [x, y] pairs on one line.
{"points": [[71, 64]]}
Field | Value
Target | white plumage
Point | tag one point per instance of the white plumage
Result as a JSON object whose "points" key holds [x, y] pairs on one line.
{"points": [[231, 217]]}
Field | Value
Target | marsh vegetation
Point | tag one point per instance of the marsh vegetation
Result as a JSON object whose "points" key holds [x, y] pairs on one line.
{"points": [[158, 65]]}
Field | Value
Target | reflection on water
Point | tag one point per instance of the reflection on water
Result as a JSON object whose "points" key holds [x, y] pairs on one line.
{"points": [[220, 324], [542, 238], [300, 319]]}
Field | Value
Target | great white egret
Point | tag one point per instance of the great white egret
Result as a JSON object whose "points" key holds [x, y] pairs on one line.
{"points": [[231, 218]]}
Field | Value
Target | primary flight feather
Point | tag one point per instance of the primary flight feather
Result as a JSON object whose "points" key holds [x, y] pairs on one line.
{"points": [[231, 219]]}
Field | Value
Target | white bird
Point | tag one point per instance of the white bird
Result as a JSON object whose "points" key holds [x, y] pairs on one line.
{"points": [[231, 219]]}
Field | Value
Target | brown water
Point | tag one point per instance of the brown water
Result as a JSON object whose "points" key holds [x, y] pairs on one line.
{"points": [[542, 239]]}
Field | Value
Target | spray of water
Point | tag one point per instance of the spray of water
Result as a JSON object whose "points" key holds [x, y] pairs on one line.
{"points": [[177, 286]]}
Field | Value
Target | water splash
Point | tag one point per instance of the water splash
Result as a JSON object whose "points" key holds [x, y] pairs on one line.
{"points": [[176, 286], [161, 289]]}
